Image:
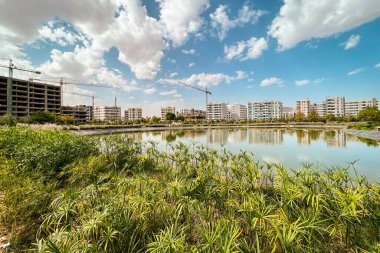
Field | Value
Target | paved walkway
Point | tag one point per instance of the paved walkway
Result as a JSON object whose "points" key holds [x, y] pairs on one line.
{"points": [[372, 135]]}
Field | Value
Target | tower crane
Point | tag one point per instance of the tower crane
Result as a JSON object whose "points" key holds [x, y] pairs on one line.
{"points": [[10, 68], [85, 95]]}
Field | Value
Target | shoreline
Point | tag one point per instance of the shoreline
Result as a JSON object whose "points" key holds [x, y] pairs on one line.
{"points": [[372, 135], [90, 132]]}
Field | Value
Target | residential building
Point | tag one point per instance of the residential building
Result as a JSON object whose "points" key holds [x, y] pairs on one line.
{"points": [[335, 106], [216, 111], [288, 112], [236, 111], [192, 113], [320, 108], [268, 109], [82, 113], [303, 106], [133, 114], [354, 107], [166, 110], [107, 113], [28, 97]]}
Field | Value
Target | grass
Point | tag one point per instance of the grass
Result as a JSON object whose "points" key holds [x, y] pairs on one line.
{"points": [[366, 126], [68, 193]]}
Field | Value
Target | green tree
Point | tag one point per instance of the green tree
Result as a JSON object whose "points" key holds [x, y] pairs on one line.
{"points": [[369, 114], [330, 117], [180, 118], [66, 119], [42, 117], [170, 116], [155, 120], [299, 116], [8, 119], [313, 116]]}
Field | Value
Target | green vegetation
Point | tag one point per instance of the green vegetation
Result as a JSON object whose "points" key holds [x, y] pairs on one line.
{"points": [[68, 193]]}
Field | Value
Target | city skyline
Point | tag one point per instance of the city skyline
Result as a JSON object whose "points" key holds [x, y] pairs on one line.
{"points": [[242, 50]]}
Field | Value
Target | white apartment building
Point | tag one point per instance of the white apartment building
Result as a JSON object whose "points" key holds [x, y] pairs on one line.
{"points": [[107, 113], [166, 110], [216, 111], [335, 106], [133, 114], [303, 106], [354, 107], [320, 108], [192, 113], [236, 111], [265, 110], [288, 112]]}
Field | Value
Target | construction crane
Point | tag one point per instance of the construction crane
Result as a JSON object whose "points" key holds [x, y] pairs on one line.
{"points": [[10, 68], [206, 91], [85, 95]]}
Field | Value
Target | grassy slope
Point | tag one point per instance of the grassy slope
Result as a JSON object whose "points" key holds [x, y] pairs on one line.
{"points": [[67, 193]]}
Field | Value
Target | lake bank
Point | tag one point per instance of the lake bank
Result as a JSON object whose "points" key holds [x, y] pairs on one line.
{"points": [[372, 135], [148, 129]]}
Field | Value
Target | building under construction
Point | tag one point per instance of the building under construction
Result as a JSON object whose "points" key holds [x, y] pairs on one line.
{"points": [[82, 113], [27, 97]]}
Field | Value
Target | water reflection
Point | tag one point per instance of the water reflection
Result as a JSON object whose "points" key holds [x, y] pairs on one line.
{"points": [[268, 136]]}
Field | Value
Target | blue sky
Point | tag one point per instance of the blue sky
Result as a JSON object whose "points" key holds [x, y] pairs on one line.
{"points": [[241, 50]]}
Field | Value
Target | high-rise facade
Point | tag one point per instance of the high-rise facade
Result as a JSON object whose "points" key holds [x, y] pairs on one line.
{"points": [[166, 110], [303, 106], [320, 108], [354, 107], [192, 113], [107, 113], [133, 114], [335, 106], [216, 111], [236, 111], [28, 97], [82, 113], [268, 109]]}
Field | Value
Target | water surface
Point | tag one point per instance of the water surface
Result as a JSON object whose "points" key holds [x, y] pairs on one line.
{"points": [[292, 147]]}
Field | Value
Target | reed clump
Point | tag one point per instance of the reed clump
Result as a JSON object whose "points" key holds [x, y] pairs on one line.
{"points": [[111, 194]]}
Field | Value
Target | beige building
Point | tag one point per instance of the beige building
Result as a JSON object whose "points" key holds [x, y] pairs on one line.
{"points": [[304, 106], [335, 106], [354, 107], [268, 109], [320, 108], [133, 114], [166, 110], [107, 113], [288, 112], [236, 111], [216, 111], [28, 97], [192, 113]]}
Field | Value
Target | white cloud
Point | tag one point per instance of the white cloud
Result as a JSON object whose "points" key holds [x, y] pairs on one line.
{"points": [[356, 71], [271, 81], [190, 51], [302, 82], [245, 50], [319, 80], [377, 65], [172, 61], [191, 64], [241, 75], [302, 20], [180, 18], [150, 90], [222, 23], [352, 42], [58, 35], [154, 108], [174, 74], [204, 79], [173, 93]]}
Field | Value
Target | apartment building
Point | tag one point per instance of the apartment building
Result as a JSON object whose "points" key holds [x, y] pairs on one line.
{"points": [[28, 97], [354, 107], [107, 113], [335, 106], [216, 111], [268, 109], [133, 114], [82, 113], [236, 112], [288, 112], [320, 108], [166, 110], [304, 106], [192, 113]]}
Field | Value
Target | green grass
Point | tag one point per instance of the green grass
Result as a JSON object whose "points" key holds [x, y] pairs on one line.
{"points": [[366, 126], [67, 193]]}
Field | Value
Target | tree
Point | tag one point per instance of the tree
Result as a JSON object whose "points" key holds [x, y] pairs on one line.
{"points": [[42, 117], [66, 119], [299, 116], [313, 116], [8, 119], [180, 118], [155, 120], [369, 114], [330, 117], [170, 116]]}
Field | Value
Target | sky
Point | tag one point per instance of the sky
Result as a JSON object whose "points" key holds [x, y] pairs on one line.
{"points": [[142, 52]]}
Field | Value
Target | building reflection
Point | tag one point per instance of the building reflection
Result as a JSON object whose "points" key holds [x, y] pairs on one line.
{"points": [[334, 138], [265, 136]]}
